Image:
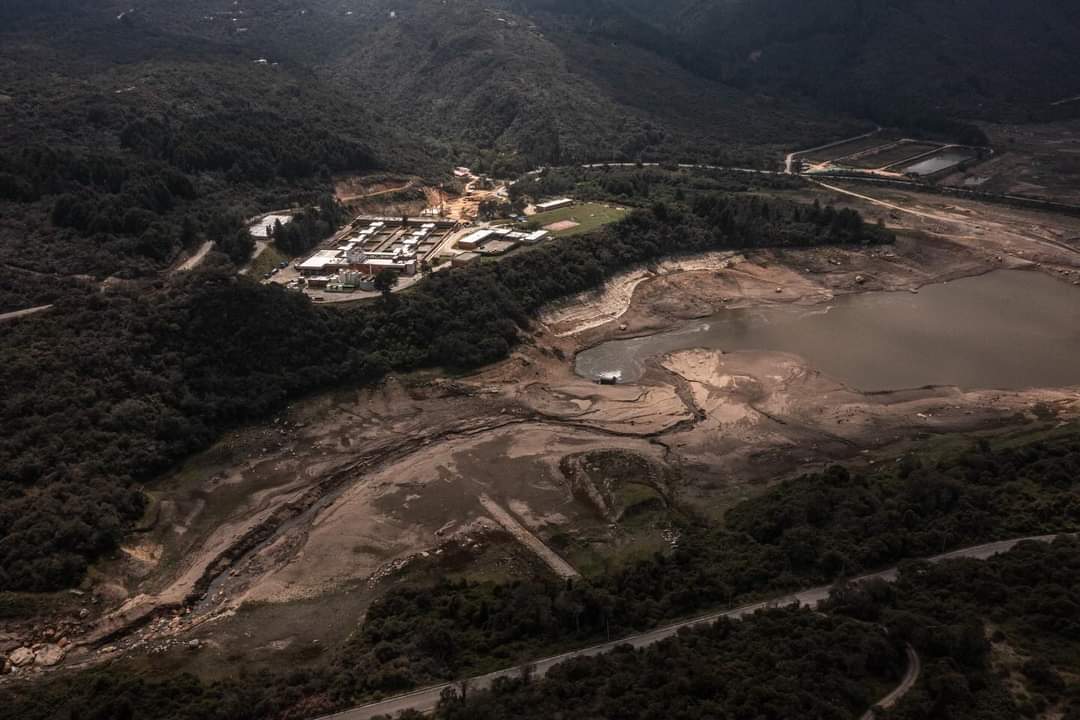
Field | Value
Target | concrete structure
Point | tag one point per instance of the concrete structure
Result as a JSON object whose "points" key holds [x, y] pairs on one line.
{"points": [[554, 205], [261, 227], [345, 282], [323, 262], [465, 259], [498, 247], [496, 241], [474, 240], [535, 237], [371, 245], [374, 266]]}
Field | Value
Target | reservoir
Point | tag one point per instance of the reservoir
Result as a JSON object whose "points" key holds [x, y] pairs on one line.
{"points": [[937, 163], [1010, 329]]}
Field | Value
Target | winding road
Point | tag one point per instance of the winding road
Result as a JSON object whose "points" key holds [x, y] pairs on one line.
{"points": [[911, 676], [425, 700]]}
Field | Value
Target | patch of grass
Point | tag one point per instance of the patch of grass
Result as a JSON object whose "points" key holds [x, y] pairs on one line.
{"points": [[588, 216], [270, 258], [947, 448], [636, 497]]}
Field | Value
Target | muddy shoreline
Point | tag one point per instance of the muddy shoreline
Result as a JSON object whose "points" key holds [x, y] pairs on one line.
{"points": [[348, 493]]}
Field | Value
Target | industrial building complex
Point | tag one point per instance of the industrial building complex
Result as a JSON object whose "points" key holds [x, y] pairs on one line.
{"points": [[406, 246], [373, 244]]}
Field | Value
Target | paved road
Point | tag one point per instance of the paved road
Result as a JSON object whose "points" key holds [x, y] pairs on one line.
{"points": [[426, 699], [16, 314]]}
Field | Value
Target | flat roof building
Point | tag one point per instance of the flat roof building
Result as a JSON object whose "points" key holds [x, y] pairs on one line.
{"points": [[475, 240], [321, 262], [554, 205], [373, 266], [498, 247]]}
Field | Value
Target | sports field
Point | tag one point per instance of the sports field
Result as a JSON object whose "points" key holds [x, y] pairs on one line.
{"points": [[578, 219]]}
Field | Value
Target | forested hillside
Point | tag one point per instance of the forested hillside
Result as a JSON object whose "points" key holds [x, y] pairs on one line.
{"points": [[996, 641], [505, 88], [132, 133], [898, 63], [829, 669], [123, 145], [997, 638], [967, 619]]}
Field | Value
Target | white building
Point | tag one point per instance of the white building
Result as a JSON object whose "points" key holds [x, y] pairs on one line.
{"points": [[475, 240], [554, 205], [323, 262]]}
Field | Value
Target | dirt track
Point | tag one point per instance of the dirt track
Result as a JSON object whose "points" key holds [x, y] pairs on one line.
{"points": [[196, 259], [16, 314]]}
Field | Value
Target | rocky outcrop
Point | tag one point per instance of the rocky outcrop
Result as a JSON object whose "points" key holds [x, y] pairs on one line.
{"points": [[42, 655], [21, 657], [48, 655]]}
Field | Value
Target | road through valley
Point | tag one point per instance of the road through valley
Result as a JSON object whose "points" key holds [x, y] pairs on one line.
{"points": [[426, 699]]}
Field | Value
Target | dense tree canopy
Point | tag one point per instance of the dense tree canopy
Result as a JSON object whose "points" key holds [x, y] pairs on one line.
{"points": [[952, 613]]}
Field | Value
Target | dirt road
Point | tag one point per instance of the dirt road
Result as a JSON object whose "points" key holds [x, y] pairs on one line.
{"points": [[260, 248], [16, 314], [378, 193], [427, 699], [914, 668], [972, 223], [195, 260], [790, 159]]}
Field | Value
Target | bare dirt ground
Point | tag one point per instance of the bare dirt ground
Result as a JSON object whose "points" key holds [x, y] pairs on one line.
{"points": [[196, 259], [1035, 160], [354, 188], [283, 533]]}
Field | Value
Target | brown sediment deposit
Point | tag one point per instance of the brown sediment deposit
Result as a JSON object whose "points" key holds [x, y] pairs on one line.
{"points": [[350, 492]]}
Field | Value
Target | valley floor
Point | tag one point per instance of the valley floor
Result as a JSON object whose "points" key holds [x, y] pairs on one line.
{"points": [[270, 546]]}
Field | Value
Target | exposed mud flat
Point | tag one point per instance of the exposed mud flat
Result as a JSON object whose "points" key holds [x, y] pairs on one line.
{"points": [[349, 493], [612, 301], [766, 414]]}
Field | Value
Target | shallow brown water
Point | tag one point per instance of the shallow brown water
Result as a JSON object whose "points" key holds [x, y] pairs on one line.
{"points": [[1009, 329]]}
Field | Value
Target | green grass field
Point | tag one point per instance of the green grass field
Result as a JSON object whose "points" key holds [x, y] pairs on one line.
{"points": [[589, 217]]}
